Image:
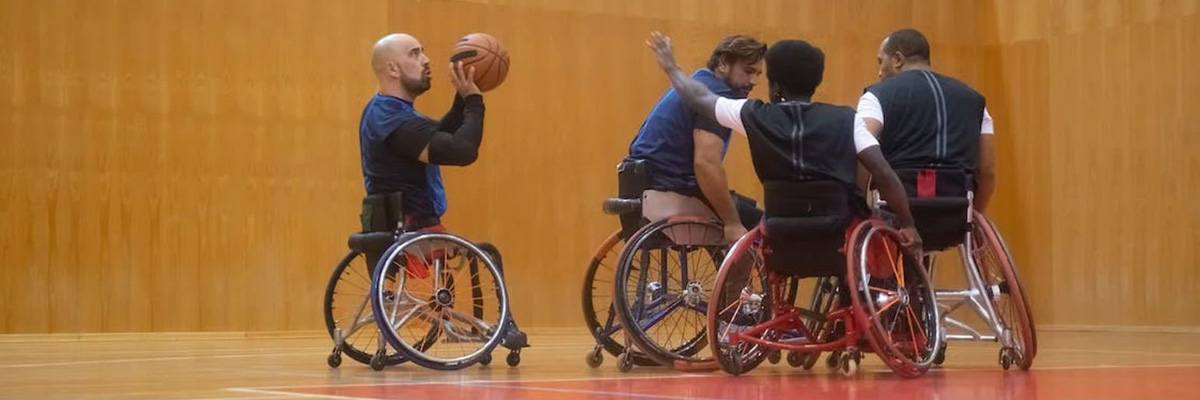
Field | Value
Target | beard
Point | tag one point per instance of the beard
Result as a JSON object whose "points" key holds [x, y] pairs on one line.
{"points": [[417, 85]]}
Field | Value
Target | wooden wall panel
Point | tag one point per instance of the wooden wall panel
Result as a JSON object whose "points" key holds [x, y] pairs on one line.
{"points": [[192, 165], [1097, 157], [167, 165]]}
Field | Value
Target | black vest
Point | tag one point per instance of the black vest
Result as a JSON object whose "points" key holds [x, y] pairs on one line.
{"points": [[801, 141], [929, 120]]}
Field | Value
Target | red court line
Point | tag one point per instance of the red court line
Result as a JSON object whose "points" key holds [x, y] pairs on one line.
{"points": [[1113, 383]]}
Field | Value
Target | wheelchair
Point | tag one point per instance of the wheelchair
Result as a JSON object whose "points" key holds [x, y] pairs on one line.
{"points": [[869, 295], [942, 207], [415, 303], [348, 315], [598, 312], [660, 291]]}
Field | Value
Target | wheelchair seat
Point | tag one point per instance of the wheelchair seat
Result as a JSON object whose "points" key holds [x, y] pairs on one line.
{"points": [[939, 200], [806, 225]]}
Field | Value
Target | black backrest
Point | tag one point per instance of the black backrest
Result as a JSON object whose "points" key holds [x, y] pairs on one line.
{"points": [[382, 212], [633, 178], [806, 226], [939, 204]]}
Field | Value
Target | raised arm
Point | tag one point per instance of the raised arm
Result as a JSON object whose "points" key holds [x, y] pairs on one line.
{"points": [[694, 94]]}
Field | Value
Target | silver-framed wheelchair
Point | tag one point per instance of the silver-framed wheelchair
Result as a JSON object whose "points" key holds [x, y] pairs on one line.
{"points": [[942, 204], [435, 298]]}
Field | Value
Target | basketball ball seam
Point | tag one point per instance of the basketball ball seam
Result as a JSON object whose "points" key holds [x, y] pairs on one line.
{"points": [[484, 49]]}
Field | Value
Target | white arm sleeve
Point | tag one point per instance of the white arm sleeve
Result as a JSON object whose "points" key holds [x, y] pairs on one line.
{"points": [[729, 114], [869, 107], [863, 139], [987, 128]]}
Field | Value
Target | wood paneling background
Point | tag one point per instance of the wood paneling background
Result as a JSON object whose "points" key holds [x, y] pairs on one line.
{"points": [[193, 165], [1098, 150]]}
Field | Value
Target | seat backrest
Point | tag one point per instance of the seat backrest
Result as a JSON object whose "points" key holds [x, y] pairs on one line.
{"points": [[382, 212], [806, 226], [939, 202], [633, 178]]}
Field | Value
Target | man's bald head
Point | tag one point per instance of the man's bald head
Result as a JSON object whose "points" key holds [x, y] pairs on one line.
{"points": [[400, 64]]}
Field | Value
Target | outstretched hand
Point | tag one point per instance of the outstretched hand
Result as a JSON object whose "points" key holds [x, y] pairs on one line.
{"points": [[661, 45]]}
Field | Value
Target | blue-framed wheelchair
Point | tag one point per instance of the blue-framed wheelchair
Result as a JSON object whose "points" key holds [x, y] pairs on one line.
{"points": [[660, 286], [598, 313]]}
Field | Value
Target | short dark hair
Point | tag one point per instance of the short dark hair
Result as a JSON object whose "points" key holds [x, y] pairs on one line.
{"points": [[795, 66], [736, 48], [909, 42]]}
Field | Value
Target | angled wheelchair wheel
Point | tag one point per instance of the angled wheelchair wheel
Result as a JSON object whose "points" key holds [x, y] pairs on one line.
{"points": [[742, 299], [662, 286], [348, 312], [1003, 288], [439, 300], [893, 299], [598, 312]]}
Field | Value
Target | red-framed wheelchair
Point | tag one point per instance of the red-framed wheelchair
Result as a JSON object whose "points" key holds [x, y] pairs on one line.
{"points": [[869, 296]]}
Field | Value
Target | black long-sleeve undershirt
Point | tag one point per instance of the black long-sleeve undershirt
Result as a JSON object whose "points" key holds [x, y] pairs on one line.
{"points": [[454, 140]]}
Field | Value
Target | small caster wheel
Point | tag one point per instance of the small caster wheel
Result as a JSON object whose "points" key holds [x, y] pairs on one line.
{"points": [[774, 357], [334, 360], [624, 364], [736, 366], [486, 360], [1006, 359], [940, 358], [834, 360], [796, 359], [377, 362], [810, 360], [849, 365], [513, 359], [594, 358]]}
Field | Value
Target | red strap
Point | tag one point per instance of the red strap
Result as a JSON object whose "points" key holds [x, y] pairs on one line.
{"points": [[927, 183]]}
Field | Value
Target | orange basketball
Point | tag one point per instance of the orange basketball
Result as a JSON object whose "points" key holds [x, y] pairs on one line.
{"points": [[482, 51]]}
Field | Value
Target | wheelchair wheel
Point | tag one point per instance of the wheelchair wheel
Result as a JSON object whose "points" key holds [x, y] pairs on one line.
{"points": [[743, 299], [347, 308], [1004, 289], [598, 312], [447, 306], [893, 300], [662, 286]]}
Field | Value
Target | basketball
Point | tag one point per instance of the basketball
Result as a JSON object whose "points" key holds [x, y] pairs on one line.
{"points": [[484, 52]]}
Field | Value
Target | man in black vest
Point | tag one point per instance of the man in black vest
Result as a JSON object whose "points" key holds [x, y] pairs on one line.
{"points": [[925, 119]]}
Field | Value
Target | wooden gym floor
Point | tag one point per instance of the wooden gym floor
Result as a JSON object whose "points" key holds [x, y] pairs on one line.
{"points": [[1082, 365]]}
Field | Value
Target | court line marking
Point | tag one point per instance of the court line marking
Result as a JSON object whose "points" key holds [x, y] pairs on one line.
{"points": [[686, 376], [300, 395], [585, 391], [151, 359], [507, 384], [478, 381]]}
